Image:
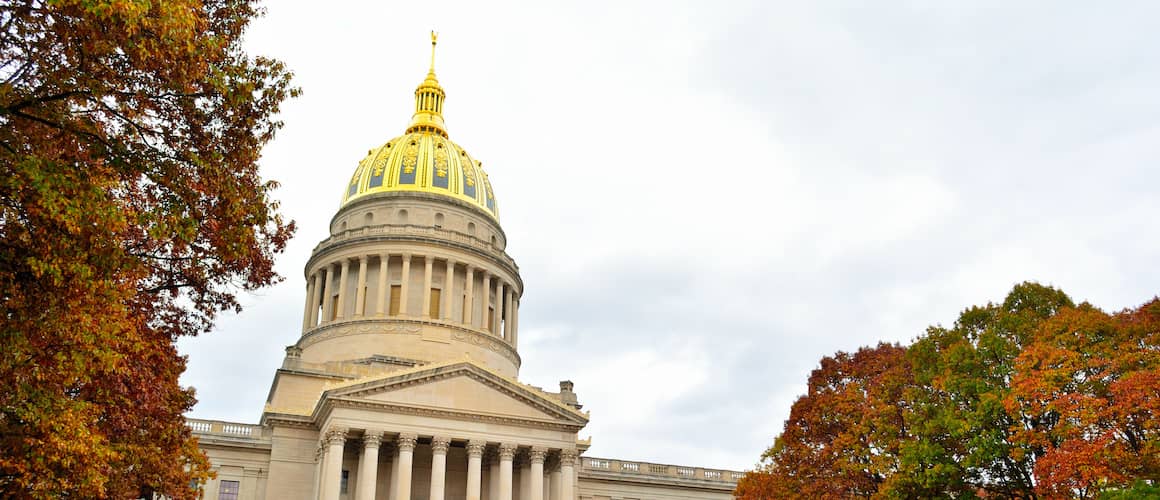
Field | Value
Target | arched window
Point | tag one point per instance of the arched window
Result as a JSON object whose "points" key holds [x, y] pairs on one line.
{"points": [[402, 216], [438, 219]]}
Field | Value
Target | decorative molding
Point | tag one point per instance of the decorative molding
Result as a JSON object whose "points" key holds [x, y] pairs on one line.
{"points": [[335, 435], [568, 457], [372, 439], [439, 445], [406, 442], [507, 451], [537, 454], [475, 448]]}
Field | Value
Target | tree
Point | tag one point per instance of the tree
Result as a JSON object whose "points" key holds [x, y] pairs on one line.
{"points": [[131, 213], [842, 438], [962, 433], [1090, 379]]}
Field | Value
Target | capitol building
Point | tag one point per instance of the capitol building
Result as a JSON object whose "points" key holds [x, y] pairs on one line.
{"points": [[404, 383]]}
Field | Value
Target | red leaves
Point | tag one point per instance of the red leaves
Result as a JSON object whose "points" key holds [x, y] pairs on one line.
{"points": [[1034, 397]]}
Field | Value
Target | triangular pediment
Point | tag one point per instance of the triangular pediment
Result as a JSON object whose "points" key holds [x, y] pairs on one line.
{"points": [[460, 388]]}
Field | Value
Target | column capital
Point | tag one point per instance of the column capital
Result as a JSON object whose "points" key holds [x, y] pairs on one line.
{"points": [[475, 448], [439, 445], [406, 441], [363, 258], [335, 435], [537, 454], [568, 456], [507, 451], [372, 439]]}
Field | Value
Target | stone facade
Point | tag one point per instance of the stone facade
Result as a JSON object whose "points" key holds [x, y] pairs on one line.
{"points": [[403, 383]]}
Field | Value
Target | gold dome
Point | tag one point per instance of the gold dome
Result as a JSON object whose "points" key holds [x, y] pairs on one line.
{"points": [[423, 159]]}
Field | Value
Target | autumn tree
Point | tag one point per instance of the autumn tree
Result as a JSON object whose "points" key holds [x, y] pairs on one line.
{"points": [[962, 433], [1089, 380], [131, 213], [842, 438]]}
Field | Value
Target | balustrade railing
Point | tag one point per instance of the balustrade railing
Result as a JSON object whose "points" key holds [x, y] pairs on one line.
{"points": [[604, 465], [219, 428]]}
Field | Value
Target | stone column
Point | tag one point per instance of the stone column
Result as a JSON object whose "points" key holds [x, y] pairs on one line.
{"points": [[553, 477], [406, 286], [332, 470], [525, 466], [326, 305], [360, 294], [314, 300], [427, 286], [341, 313], [493, 476], [474, 463], [468, 302], [448, 288], [495, 319], [319, 460], [393, 491], [406, 445], [306, 309], [515, 321], [439, 447], [484, 323], [384, 287], [508, 333], [506, 452], [536, 474], [368, 466], [567, 475]]}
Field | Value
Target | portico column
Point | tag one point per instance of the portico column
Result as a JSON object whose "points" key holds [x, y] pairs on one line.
{"points": [[332, 471], [536, 477], [393, 491], [429, 263], [406, 445], [507, 314], [468, 304], [439, 447], [515, 320], [306, 310], [448, 288], [493, 476], [554, 480], [567, 473], [484, 320], [368, 466], [384, 290], [341, 312], [474, 463], [406, 285], [360, 294], [506, 452], [326, 304]]}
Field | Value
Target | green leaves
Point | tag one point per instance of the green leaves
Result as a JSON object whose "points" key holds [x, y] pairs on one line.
{"points": [[1033, 397]]}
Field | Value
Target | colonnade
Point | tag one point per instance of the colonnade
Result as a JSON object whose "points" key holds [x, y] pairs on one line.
{"points": [[546, 474], [494, 307]]}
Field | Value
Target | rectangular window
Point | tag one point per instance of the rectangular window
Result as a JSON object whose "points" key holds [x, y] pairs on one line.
{"points": [[364, 304], [436, 296], [490, 315], [228, 490], [466, 311], [396, 291], [334, 308], [345, 481]]}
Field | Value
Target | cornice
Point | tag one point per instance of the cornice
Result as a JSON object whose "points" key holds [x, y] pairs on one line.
{"points": [[408, 327]]}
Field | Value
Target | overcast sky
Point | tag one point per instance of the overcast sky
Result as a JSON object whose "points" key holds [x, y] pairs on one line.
{"points": [[705, 198]]}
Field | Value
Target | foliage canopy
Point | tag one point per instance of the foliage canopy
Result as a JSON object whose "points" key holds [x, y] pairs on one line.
{"points": [[131, 212], [1034, 397]]}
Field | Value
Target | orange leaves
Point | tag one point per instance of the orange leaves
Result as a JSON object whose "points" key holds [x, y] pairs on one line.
{"points": [[1034, 397], [131, 211]]}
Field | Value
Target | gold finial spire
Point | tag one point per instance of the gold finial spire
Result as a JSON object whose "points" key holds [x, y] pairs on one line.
{"points": [[429, 97], [434, 38]]}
